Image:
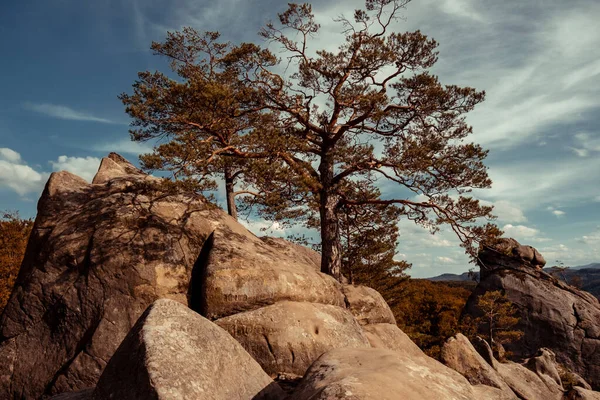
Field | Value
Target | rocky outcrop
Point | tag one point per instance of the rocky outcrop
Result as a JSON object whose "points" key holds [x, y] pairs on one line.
{"points": [[552, 314], [380, 374], [288, 336], [367, 305], [527, 384], [101, 253], [174, 353], [243, 272], [388, 336], [578, 393], [459, 354]]}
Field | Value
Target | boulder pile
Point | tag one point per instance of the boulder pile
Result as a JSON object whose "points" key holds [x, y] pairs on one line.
{"points": [[131, 289]]}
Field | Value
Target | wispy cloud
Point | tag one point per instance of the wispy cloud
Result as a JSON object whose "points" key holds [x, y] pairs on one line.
{"points": [[64, 112], [123, 146]]}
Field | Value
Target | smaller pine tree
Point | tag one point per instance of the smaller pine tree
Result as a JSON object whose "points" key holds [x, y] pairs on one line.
{"points": [[499, 318]]}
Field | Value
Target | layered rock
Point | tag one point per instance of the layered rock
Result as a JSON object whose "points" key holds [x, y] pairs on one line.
{"points": [[288, 336], [459, 354], [174, 353], [243, 272], [101, 253], [552, 314]]}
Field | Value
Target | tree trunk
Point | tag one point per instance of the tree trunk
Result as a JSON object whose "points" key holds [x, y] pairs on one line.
{"points": [[331, 246], [229, 193]]}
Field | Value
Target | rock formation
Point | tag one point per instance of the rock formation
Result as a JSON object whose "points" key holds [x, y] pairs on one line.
{"points": [[553, 314], [101, 253], [174, 353], [130, 289]]}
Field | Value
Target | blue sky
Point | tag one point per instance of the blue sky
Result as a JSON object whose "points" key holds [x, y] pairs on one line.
{"points": [[65, 61]]}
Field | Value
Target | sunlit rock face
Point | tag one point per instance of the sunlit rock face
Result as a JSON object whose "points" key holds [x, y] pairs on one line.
{"points": [[553, 314]]}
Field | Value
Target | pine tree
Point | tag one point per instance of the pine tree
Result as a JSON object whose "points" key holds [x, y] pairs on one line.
{"points": [[499, 318]]}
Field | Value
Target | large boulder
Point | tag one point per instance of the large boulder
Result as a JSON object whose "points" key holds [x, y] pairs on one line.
{"points": [[367, 305], [381, 374], [578, 393], [288, 336], [174, 353], [526, 384], [243, 273], [459, 354], [101, 253], [552, 314], [388, 336]]}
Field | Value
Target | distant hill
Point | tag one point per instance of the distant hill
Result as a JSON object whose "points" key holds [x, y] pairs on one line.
{"points": [[588, 276]]}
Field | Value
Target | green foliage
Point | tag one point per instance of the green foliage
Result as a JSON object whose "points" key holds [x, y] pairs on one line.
{"points": [[498, 319], [316, 143], [14, 234]]}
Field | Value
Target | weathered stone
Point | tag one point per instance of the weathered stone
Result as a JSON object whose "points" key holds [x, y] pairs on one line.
{"points": [[459, 354], [544, 364], [552, 314], [101, 253], [367, 305], [288, 336], [174, 353], [388, 336], [484, 350], [526, 384], [483, 392], [115, 166], [244, 273], [578, 393], [381, 374], [292, 250], [80, 395]]}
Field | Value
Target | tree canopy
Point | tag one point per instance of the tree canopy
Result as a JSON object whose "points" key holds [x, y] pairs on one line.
{"points": [[321, 138]]}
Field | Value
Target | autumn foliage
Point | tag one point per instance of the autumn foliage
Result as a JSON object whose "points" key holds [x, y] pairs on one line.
{"points": [[14, 233]]}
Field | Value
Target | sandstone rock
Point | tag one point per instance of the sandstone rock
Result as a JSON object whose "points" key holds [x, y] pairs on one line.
{"points": [[115, 166], [388, 336], [367, 305], [288, 336], [174, 353], [552, 314], [578, 393], [101, 253], [295, 251], [485, 351], [244, 273], [80, 395], [381, 374], [483, 392], [544, 365], [459, 354], [526, 384]]}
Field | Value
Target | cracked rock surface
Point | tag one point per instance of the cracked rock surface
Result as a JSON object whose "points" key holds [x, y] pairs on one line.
{"points": [[553, 314]]}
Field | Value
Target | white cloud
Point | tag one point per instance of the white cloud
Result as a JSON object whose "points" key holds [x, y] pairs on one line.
{"points": [[558, 213], [85, 167], [446, 260], [64, 112], [18, 176], [461, 9], [124, 146], [506, 211], [262, 228], [586, 144], [9, 155], [519, 231]]}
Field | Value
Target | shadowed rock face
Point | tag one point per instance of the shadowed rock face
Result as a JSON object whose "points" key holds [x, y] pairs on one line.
{"points": [[553, 314], [101, 253]]}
